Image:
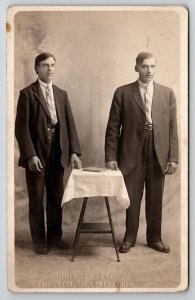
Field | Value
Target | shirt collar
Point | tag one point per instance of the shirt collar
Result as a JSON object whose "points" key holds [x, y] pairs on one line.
{"points": [[45, 85], [143, 85]]}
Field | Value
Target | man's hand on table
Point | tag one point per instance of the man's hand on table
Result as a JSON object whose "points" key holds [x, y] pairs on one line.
{"points": [[112, 164], [171, 168], [75, 161]]}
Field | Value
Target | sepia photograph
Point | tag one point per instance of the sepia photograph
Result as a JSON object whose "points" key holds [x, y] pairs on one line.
{"points": [[97, 148]]}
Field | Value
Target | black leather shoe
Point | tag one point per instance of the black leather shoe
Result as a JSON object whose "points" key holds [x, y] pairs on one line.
{"points": [[125, 246], [60, 244], [41, 249], [159, 246]]}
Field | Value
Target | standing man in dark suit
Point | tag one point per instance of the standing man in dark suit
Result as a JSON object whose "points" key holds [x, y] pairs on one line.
{"points": [[141, 138], [48, 142]]}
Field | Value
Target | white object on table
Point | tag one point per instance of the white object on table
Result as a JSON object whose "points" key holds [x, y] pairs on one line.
{"points": [[101, 184]]}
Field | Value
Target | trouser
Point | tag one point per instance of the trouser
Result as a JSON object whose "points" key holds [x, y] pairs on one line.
{"points": [[148, 172], [50, 177]]}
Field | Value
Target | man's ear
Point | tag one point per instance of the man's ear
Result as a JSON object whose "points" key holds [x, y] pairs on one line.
{"points": [[36, 69], [136, 68]]}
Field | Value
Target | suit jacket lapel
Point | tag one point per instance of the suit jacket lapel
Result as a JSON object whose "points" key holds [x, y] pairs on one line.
{"points": [[59, 108], [156, 100], [39, 96], [137, 96]]}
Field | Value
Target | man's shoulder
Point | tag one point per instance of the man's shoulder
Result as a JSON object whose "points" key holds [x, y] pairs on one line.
{"points": [[62, 91], [162, 88], [126, 88], [28, 88], [33, 85]]}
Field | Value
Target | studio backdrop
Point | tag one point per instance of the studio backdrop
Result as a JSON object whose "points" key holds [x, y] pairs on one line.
{"points": [[95, 53]]}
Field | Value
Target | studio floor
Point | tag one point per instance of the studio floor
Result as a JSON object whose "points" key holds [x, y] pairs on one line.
{"points": [[95, 265]]}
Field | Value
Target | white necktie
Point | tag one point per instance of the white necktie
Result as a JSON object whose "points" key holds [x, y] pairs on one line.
{"points": [[51, 105], [148, 105]]}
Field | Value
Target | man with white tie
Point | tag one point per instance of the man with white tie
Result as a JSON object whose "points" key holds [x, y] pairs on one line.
{"points": [[141, 139], [48, 142]]}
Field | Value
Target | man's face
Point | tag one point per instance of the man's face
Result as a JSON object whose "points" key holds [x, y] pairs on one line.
{"points": [[146, 69], [45, 69]]}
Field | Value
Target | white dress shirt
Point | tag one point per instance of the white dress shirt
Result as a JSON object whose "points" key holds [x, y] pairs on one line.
{"points": [[147, 91], [44, 86]]}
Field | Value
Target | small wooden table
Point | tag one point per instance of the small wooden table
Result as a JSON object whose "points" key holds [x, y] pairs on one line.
{"points": [[85, 184], [94, 227]]}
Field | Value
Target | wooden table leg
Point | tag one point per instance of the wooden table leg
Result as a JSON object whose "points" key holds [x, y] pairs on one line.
{"points": [[112, 227], [75, 245]]}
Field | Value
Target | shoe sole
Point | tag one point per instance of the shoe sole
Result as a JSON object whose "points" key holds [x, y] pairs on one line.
{"points": [[127, 250], [162, 251]]}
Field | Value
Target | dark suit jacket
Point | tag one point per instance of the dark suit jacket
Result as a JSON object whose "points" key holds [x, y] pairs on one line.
{"points": [[125, 129], [33, 123]]}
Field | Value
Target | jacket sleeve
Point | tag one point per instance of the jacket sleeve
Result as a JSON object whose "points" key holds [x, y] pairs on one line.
{"points": [[173, 135], [113, 129], [22, 132], [72, 132]]}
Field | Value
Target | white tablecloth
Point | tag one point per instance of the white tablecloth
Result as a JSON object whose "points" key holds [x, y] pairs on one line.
{"points": [[91, 184]]}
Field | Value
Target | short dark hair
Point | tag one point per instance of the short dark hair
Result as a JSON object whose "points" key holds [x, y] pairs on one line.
{"points": [[42, 57], [142, 55]]}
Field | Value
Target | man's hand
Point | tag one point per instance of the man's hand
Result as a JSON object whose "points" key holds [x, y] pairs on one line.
{"points": [[75, 161], [112, 164], [171, 168], [35, 164]]}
